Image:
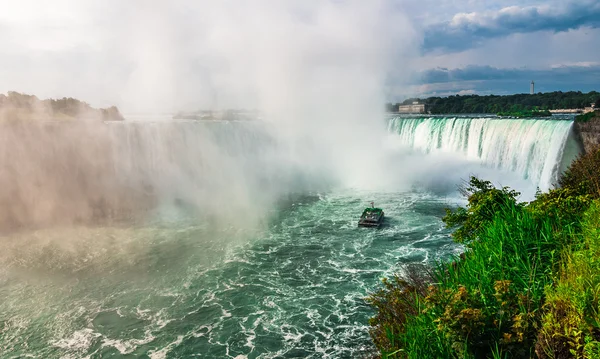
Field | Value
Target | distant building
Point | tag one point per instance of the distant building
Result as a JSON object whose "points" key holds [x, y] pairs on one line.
{"points": [[532, 88], [416, 107], [592, 108]]}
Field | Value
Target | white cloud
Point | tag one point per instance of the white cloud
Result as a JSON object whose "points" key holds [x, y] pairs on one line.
{"points": [[472, 29], [576, 64], [151, 55]]}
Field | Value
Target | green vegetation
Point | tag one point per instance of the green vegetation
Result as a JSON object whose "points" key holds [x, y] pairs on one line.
{"points": [[570, 325], [526, 113], [585, 117], [527, 285], [509, 103]]}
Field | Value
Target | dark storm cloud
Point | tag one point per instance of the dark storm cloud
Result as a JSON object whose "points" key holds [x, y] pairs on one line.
{"points": [[487, 79], [572, 74], [468, 30]]}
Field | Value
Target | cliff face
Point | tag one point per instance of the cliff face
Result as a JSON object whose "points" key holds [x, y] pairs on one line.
{"points": [[56, 165], [22, 108], [63, 174], [589, 132]]}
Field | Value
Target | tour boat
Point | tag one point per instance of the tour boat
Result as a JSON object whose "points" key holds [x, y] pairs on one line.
{"points": [[371, 217]]}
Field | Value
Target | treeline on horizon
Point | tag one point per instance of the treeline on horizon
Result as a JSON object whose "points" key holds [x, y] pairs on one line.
{"points": [[15, 106], [504, 103]]}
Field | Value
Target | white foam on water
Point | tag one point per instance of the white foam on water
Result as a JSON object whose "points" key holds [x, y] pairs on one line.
{"points": [[299, 288], [129, 345], [79, 341], [162, 353]]}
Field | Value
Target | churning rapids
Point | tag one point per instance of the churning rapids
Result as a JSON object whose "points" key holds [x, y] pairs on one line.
{"points": [[251, 276]]}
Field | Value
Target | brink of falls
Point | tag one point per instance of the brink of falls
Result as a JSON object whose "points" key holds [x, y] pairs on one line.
{"points": [[539, 150]]}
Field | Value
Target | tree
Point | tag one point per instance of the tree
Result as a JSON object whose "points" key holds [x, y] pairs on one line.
{"points": [[485, 201], [495, 104]]}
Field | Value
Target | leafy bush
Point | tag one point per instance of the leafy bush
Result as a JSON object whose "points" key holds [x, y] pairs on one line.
{"points": [[484, 202], [585, 117], [395, 302], [491, 300], [487, 302], [583, 176], [571, 323], [563, 206]]}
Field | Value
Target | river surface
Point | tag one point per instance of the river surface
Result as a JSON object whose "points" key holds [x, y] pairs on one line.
{"points": [[273, 268], [177, 288]]}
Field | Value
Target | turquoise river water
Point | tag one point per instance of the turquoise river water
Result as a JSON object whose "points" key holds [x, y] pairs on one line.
{"points": [[182, 286]]}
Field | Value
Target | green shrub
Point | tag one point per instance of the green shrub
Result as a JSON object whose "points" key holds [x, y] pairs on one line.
{"points": [[585, 117], [491, 300], [563, 206], [583, 176], [571, 323], [484, 202], [396, 303], [486, 304]]}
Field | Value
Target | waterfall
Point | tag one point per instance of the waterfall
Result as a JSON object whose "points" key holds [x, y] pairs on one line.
{"points": [[192, 150], [90, 172], [539, 150]]}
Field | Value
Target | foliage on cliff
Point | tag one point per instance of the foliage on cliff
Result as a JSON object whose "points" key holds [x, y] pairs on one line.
{"points": [[585, 117], [583, 175], [570, 325], [508, 103], [527, 285], [21, 107]]}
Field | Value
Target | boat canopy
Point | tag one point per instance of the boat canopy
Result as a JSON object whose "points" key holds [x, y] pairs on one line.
{"points": [[373, 209]]}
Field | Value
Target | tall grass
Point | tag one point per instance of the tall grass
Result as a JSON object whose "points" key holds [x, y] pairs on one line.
{"points": [[527, 285], [571, 323], [491, 300], [487, 302]]}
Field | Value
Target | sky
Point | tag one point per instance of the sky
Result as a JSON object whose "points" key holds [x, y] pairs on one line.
{"points": [[499, 47], [166, 56]]}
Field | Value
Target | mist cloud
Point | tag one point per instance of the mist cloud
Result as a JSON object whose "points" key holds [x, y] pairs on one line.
{"points": [[316, 70], [153, 56]]}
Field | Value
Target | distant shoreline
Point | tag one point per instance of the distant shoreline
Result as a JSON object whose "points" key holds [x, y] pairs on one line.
{"points": [[491, 104]]}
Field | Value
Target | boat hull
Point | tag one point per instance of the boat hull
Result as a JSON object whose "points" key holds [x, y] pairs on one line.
{"points": [[371, 222]]}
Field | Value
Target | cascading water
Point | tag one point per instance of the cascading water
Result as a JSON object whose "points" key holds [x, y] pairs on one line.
{"points": [[195, 161], [210, 282], [537, 149], [57, 173], [215, 165]]}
